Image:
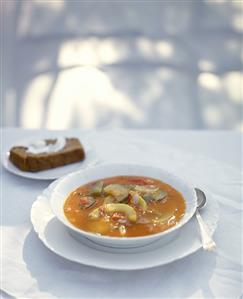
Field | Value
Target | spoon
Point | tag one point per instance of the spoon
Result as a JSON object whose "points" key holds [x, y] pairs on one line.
{"points": [[207, 241]]}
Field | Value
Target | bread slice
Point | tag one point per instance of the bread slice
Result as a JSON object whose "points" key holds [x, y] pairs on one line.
{"points": [[72, 152]]}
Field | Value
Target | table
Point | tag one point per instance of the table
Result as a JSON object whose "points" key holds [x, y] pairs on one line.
{"points": [[219, 274]]}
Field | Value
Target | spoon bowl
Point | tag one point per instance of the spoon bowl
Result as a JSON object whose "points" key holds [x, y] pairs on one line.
{"points": [[201, 198]]}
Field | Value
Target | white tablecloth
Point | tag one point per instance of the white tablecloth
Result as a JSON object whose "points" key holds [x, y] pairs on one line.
{"points": [[27, 264]]}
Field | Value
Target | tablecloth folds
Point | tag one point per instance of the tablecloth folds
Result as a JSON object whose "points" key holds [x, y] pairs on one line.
{"points": [[32, 271]]}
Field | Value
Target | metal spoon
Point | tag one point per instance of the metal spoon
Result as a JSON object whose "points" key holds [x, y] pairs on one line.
{"points": [[207, 241]]}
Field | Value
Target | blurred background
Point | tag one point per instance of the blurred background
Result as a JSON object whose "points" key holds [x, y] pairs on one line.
{"points": [[122, 64]]}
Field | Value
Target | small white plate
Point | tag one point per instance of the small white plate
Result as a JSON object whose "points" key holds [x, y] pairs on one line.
{"points": [[56, 237], [53, 173]]}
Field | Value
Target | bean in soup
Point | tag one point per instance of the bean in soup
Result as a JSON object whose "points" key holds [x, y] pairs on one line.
{"points": [[125, 206]]}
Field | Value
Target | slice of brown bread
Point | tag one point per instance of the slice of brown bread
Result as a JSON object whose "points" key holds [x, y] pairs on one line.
{"points": [[72, 152]]}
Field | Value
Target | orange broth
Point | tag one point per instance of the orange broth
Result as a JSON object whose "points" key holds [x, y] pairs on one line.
{"points": [[147, 222]]}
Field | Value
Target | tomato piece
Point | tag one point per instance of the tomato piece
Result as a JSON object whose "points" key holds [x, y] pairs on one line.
{"points": [[83, 201], [139, 181]]}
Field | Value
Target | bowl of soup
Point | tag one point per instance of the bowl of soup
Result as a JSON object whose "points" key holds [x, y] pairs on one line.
{"points": [[124, 206]]}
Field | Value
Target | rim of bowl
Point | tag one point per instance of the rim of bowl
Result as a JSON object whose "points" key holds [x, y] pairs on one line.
{"points": [[181, 223]]}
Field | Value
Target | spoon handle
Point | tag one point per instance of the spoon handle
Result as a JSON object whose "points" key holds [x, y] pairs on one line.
{"points": [[207, 241]]}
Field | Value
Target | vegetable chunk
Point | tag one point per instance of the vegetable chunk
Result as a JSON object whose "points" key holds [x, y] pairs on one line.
{"points": [[95, 214], [138, 200], [119, 192], [123, 208], [97, 188]]}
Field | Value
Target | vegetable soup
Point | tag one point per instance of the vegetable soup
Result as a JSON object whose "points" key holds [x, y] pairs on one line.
{"points": [[125, 206]]}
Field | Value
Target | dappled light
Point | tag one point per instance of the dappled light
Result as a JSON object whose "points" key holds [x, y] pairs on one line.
{"points": [[33, 107], [96, 52], [213, 116], [82, 53], [165, 49], [92, 64], [76, 100], [233, 84], [238, 22], [209, 81], [205, 65], [55, 5]]}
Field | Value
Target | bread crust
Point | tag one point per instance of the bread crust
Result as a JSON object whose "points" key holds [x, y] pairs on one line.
{"points": [[25, 161]]}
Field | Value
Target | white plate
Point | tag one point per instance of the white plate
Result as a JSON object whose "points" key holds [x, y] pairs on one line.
{"points": [[53, 173], [56, 237]]}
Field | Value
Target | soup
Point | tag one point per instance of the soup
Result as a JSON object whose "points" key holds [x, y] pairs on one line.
{"points": [[125, 206]]}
